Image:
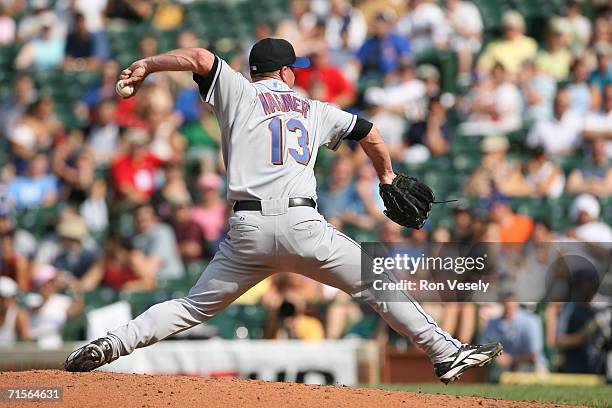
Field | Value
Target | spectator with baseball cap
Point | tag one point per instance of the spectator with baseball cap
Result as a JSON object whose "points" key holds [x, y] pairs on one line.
{"points": [[14, 321]]}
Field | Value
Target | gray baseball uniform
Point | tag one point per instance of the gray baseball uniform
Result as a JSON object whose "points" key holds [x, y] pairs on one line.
{"points": [[270, 138]]}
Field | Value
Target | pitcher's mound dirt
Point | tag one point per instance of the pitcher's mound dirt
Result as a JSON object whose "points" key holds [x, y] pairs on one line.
{"points": [[101, 389]]}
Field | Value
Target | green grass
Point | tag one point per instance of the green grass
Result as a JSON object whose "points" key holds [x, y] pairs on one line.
{"points": [[597, 396]]}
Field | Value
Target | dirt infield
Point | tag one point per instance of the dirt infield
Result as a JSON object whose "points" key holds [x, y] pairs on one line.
{"points": [[99, 389]]}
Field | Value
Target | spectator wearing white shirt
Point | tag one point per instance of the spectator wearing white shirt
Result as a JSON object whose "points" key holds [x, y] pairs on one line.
{"points": [[496, 106], [585, 212], [49, 309], [14, 321], [598, 125], [466, 37], [343, 18], [579, 25], [425, 24], [559, 135]]}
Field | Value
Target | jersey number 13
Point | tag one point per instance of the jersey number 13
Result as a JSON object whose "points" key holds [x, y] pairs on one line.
{"points": [[276, 137]]}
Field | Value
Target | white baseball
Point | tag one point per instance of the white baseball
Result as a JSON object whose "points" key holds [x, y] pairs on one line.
{"points": [[124, 91]]}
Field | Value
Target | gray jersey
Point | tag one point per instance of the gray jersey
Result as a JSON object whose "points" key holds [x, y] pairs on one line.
{"points": [[270, 134]]}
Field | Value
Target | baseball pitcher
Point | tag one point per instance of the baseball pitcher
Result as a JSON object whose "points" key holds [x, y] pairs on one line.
{"points": [[270, 139]]}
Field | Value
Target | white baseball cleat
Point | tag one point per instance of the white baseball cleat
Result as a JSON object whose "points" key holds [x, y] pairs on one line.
{"points": [[468, 356]]}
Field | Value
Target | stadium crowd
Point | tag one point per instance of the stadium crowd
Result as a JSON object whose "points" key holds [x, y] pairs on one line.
{"points": [[508, 109]]}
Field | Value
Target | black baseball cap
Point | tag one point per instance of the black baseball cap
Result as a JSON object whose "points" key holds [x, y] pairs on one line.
{"points": [[271, 54]]}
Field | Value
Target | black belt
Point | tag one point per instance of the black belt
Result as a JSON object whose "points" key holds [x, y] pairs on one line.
{"points": [[254, 205]]}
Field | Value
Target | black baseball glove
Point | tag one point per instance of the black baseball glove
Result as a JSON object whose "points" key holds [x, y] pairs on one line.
{"points": [[407, 201]]}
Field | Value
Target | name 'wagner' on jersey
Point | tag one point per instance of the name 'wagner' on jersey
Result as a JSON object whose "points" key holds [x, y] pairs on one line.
{"points": [[270, 134]]}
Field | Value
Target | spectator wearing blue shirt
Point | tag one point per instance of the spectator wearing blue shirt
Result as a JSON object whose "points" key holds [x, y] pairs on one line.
{"points": [[339, 196], [520, 332], [37, 188], [385, 51], [602, 75]]}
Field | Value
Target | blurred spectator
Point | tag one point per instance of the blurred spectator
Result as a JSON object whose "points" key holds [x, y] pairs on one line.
{"points": [[466, 24], [44, 52], [74, 259], [585, 212], [579, 26], [338, 194], [384, 51], [434, 132], [189, 236], [157, 251], [388, 118], [35, 21], [129, 10], [168, 15], [75, 166], [555, 60], [37, 188], [105, 90], [94, 209], [560, 135], [297, 27], [509, 226], [602, 74], [147, 46], [49, 308], [543, 178], [344, 19], [8, 27], [133, 174], [495, 172], [594, 177], [81, 52], [325, 82], [583, 96], [118, 271], [538, 90], [404, 93], [209, 213], [578, 351], [14, 321], [103, 135], [598, 124], [23, 242], [513, 50], [174, 190], [35, 132], [12, 263], [12, 108], [495, 105], [462, 232], [295, 324], [520, 332], [425, 25]]}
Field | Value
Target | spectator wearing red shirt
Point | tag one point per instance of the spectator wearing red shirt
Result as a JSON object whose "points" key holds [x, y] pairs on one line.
{"points": [[134, 173], [325, 82]]}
